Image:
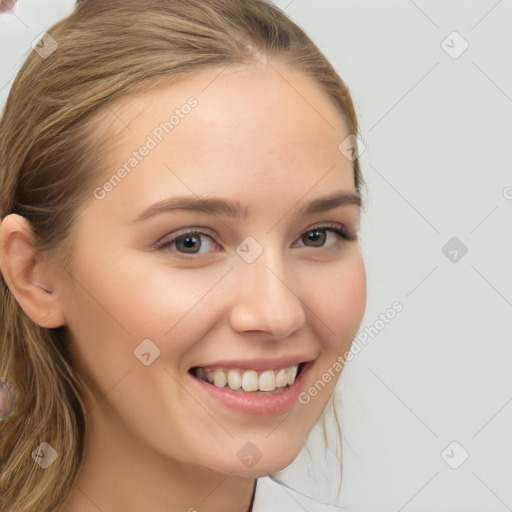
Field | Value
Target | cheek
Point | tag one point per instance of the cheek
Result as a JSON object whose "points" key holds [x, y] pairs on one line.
{"points": [[340, 306], [117, 301], [137, 293]]}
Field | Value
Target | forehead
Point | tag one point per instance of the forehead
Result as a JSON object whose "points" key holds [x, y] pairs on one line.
{"points": [[232, 131], [242, 88]]}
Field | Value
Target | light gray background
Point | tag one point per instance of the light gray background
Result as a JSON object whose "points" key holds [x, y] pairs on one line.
{"points": [[438, 133]]}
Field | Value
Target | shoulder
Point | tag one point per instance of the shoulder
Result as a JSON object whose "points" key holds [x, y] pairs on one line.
{"points": [[273, 496]]}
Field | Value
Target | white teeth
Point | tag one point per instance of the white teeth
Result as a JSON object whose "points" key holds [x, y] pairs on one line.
{"points": [[220, 379], [249, 380], [292, 374], [281, 378], [267, 381], [234, 380]]}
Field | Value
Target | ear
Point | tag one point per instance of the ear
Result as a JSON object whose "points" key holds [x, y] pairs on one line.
{"points": [[34, 284]]}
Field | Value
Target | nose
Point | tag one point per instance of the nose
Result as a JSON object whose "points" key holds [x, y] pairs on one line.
{"points": [[264, 298]]}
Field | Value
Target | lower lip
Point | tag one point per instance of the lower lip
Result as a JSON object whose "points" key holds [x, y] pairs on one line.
{"points": [[258, 403]]}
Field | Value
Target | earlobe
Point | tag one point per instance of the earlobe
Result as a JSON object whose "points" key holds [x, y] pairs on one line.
{"points": [[33, 283]]}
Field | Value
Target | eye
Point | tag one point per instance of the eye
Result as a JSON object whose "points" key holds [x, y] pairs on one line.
{"points": [[318, 234], [188, 243]]}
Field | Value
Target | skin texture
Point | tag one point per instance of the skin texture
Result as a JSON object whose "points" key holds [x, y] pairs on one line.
{"points": [[268, 137]]}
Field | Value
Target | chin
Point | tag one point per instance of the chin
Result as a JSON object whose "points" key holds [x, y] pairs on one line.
{"points": [[266, 465]]}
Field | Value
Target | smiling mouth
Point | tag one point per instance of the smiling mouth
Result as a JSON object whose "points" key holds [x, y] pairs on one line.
{"points": [[249, 381]]}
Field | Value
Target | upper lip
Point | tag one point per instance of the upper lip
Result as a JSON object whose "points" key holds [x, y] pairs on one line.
{"points": [[260, 363]]}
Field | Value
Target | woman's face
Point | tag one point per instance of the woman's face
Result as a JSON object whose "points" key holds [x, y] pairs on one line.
{"points": [[260, 291]]}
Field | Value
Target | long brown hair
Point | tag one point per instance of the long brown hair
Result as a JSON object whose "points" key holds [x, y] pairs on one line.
{"points": [[51, 153]]}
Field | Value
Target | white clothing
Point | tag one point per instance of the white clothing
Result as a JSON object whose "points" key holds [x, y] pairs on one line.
{"points": [[273, 496]]}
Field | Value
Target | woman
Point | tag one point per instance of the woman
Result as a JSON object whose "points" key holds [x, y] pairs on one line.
{"points": [[180, 201]]}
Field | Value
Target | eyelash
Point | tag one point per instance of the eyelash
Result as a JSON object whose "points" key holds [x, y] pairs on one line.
{"points": [[338, 229]]}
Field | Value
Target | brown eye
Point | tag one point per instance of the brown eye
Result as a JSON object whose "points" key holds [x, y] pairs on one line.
{"points": [[317, 236], [188, 242]]}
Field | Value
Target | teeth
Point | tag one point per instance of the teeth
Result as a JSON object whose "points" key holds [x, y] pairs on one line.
{"points": [[220, 379], [234, 379], [249, 380], [267, 381], [282, 377], [293, 374]]}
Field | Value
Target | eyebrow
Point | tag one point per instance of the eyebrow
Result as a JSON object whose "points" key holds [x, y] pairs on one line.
{"points": [[218, 206]]}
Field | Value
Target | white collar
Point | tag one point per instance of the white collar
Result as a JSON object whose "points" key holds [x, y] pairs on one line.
{"points": [[273, 496]]}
